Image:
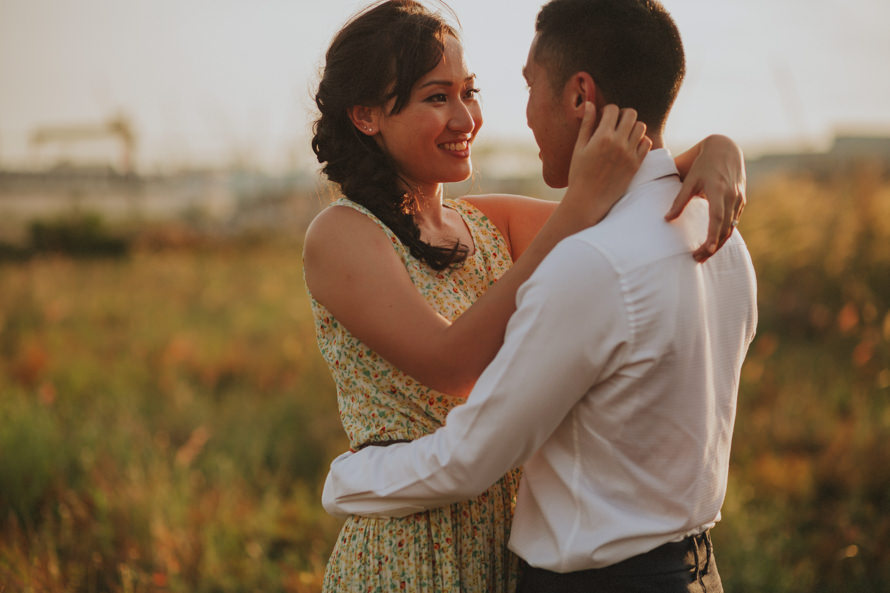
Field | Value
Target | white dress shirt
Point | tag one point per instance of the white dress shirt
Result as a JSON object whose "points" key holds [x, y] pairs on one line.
{"points": [[615, 387]]}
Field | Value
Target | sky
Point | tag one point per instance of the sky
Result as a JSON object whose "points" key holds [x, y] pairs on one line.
{"points": [[217, 82]]}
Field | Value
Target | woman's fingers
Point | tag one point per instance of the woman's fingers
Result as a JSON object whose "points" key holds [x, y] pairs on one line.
{"points": [[627, 120], [687, 190], [621, 127], [637, 132], [610, 146], [643, 147], [725, 207], [717, 221], [588, 123], [608, 121]]}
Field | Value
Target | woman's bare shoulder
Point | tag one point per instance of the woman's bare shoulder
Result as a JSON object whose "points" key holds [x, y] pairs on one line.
{"points": [[335, 216], [341, 238], [337, 223]]}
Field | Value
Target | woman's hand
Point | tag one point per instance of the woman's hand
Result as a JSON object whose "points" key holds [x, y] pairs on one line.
{"points": [[605, 159], [715, 170]]}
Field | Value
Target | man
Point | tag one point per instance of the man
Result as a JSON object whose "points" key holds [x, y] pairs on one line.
{"points": [[616, 385]]}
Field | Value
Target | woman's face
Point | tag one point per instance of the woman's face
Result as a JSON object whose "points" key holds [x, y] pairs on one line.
{"points": [[430, 138]]}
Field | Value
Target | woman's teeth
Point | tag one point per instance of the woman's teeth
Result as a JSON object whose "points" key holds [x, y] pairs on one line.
{"points": [[455, 146]]}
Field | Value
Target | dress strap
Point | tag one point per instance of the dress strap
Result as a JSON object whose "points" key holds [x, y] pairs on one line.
{"points": [[486, 236]]}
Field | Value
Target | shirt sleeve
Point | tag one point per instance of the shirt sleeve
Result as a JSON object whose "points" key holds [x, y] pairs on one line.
{"points": [[569, 332]]}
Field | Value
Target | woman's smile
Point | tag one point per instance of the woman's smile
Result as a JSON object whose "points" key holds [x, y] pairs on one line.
{"points": [[459, 149]]}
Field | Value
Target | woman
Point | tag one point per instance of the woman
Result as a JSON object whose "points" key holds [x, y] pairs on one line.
{"points": [[403, 283]]}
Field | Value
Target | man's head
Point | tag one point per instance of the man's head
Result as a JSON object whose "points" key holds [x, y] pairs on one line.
{"points": [[626, 52]]}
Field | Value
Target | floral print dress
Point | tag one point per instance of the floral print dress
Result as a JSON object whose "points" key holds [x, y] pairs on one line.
{"points": [[458, 548]]}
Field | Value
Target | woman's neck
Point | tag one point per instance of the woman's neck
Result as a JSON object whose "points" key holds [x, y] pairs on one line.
{"points": [[427, 205], [439, 225]]}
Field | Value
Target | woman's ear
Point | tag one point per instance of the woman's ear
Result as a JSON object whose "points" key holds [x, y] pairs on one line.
{"points": [[366, 119]]}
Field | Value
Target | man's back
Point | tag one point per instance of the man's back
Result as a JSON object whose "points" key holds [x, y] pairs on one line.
{"points": [[642, 457]]}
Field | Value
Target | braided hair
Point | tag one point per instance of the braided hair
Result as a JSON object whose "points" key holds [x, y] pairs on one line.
{"points": [[377, 57]]}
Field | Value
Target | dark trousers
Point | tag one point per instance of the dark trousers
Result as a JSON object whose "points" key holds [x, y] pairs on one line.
{"points": [[678, 567]]}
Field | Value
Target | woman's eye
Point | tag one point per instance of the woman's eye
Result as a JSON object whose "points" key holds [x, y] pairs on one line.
{"points": [[472, 93], [437, 98]]}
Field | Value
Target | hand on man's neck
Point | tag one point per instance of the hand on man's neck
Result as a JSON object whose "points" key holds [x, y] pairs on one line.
{"points": [[657, 141]]}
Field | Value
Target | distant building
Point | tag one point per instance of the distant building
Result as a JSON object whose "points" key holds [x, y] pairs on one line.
{"points": [[227, 199], [846, 154], [858, 147], [89, 167]]}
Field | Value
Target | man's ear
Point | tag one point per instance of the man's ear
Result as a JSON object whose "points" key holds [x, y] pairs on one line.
{"points": [[579, 89], [366, 119]]}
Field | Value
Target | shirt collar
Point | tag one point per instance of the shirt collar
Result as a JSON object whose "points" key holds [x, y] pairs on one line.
{"points": [[657, 164]]}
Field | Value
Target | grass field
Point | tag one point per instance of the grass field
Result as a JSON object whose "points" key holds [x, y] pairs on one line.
{"points": [[166, 420]]}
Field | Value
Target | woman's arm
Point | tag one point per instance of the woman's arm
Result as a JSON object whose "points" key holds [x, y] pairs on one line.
{"points": [[518, 218], [714, 169], [352, 270]]}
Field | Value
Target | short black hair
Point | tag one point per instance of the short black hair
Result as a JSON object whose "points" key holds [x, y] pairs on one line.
{"points": [[631, 48]]}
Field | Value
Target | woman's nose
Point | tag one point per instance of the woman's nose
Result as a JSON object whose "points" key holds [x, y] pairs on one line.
{"points": [[462, 119]]}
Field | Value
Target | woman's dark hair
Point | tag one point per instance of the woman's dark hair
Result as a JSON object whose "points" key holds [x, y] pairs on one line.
{"points": [[377, 57]]}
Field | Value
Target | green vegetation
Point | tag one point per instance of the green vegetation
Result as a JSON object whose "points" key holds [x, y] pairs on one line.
{"points": [[810, 479], [166, 420], [83, 235]]}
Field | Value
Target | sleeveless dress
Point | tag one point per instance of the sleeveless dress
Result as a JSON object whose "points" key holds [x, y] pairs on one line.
{"points": [[452, 549]]}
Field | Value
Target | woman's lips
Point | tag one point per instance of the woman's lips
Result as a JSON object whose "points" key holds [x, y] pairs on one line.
{"points": [[461, 148]]}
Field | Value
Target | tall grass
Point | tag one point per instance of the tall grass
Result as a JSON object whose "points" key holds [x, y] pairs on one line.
{"points": [[807, 508], [164, 424], [166, 420]]}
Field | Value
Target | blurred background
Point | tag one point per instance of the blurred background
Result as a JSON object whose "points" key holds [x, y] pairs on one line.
{"points": [[165, 417]]}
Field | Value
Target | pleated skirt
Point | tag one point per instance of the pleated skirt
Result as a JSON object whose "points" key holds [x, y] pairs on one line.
{"points": [[460, 548]]}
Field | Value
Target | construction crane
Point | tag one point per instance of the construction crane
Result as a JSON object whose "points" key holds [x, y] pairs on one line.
{"points": [[118, 127]]}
